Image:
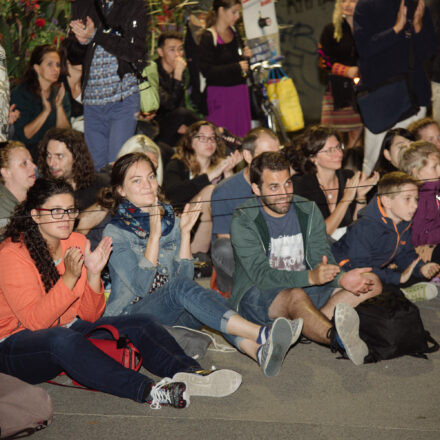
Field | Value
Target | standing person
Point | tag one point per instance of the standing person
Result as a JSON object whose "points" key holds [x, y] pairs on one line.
{"points": [[384, 32], [338, 58], [42, 101], [113, 35], [17, 175], [225, 69], [52, 297], [8, 114]]}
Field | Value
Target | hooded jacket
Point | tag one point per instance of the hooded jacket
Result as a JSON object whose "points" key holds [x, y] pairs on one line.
{"points": [[250, 239], [376, 241]]}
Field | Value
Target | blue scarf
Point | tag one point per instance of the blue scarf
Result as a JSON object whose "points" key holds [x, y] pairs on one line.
{"points": [[132, 219]]}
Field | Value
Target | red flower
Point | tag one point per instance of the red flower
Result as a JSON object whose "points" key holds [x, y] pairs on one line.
{"points": [[40, 22], [57, 40]]}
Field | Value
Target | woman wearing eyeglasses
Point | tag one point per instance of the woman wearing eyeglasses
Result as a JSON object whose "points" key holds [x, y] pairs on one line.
{"points": [[199, 164], [339, 193], [52, 297]]}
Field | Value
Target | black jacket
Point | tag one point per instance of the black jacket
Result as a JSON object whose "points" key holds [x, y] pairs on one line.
{"points": [[126, 39], [171, 91], [383, 54], [220, 63]]}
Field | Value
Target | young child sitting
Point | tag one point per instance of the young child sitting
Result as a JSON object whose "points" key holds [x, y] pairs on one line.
{"points": [[381, 238], [426, 129], [421, 160]]}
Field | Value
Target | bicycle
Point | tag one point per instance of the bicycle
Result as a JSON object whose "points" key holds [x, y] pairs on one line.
{"points": [[269, 114]]}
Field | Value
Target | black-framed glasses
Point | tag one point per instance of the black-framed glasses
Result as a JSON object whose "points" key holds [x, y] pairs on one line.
{"points": [[58, 213], [206, 139]]}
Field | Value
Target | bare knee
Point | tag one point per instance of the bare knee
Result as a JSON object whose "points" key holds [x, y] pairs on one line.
{"points": [[288, 303]]}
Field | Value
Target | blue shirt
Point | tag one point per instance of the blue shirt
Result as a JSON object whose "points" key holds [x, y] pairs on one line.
{"points": [[228, 195]]}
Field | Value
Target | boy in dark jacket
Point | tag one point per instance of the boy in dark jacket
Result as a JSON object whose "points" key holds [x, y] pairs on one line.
{"points": [[381, 238]]}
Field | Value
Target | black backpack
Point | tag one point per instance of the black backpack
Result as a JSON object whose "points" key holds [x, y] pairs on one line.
{"points": [[391, 326]]}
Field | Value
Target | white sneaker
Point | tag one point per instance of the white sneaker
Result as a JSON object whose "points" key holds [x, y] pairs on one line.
{"points": [[347, 327], [420, 292], [211, 383]]}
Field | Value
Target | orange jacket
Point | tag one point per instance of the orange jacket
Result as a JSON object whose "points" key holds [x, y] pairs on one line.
{"points": [[24, 303]]}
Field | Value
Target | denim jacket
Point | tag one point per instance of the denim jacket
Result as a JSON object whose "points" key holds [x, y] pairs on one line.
{"points": [[132, 274]]}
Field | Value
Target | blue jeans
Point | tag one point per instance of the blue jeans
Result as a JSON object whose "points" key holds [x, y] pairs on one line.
{"points": [[182, 301], [37, 356], [107, 127]]}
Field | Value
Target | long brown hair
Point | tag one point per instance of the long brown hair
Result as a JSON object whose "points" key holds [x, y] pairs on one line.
{"points": [[110, 197], [186, 153], [212, 17], [30, 76]]}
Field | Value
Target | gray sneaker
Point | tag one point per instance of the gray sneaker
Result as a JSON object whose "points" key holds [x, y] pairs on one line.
{"points": [[347, 327], [211, 383], [275, 348], [420, 291]]}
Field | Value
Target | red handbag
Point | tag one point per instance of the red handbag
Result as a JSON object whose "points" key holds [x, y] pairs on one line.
{"points": [[120, 348]]}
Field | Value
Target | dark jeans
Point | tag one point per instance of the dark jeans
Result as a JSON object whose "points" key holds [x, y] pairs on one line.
{"points": [[37, 356]]}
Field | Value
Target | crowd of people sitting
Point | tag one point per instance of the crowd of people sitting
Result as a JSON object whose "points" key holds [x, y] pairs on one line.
{"points": [[296, 240]]}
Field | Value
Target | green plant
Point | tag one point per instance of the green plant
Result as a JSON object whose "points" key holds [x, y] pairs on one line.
{"points": [[25, 24]]}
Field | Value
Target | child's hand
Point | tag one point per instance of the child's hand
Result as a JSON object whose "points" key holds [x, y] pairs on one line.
{"points": [[406, 274], [425, 252], [430, 270]]}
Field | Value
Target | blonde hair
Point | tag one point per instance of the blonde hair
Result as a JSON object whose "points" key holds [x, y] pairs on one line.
{"points": [[5, 154], [415, 157], [143, 144], [337, 21]]}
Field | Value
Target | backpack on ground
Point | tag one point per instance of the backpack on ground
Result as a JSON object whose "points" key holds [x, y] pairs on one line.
{"points": [[391, 326]]}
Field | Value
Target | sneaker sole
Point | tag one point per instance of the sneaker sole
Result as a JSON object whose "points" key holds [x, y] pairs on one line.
{"points": [[219, 383], [280, 338], [430, 292], [347, 326]]}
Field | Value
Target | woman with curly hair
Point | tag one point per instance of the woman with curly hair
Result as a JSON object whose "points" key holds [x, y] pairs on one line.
{"points": [[52, 297], [40, 98], [197, 166], [152, 271], [338, 59]]}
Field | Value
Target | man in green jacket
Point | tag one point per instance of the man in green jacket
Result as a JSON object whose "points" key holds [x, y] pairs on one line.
{"points": [[284, 265]]}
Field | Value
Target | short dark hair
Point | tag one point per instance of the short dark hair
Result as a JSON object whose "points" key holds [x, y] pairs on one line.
{"points": [[169, 35], [273, 161], [391, 183], [83, 169], [249, 142]]}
